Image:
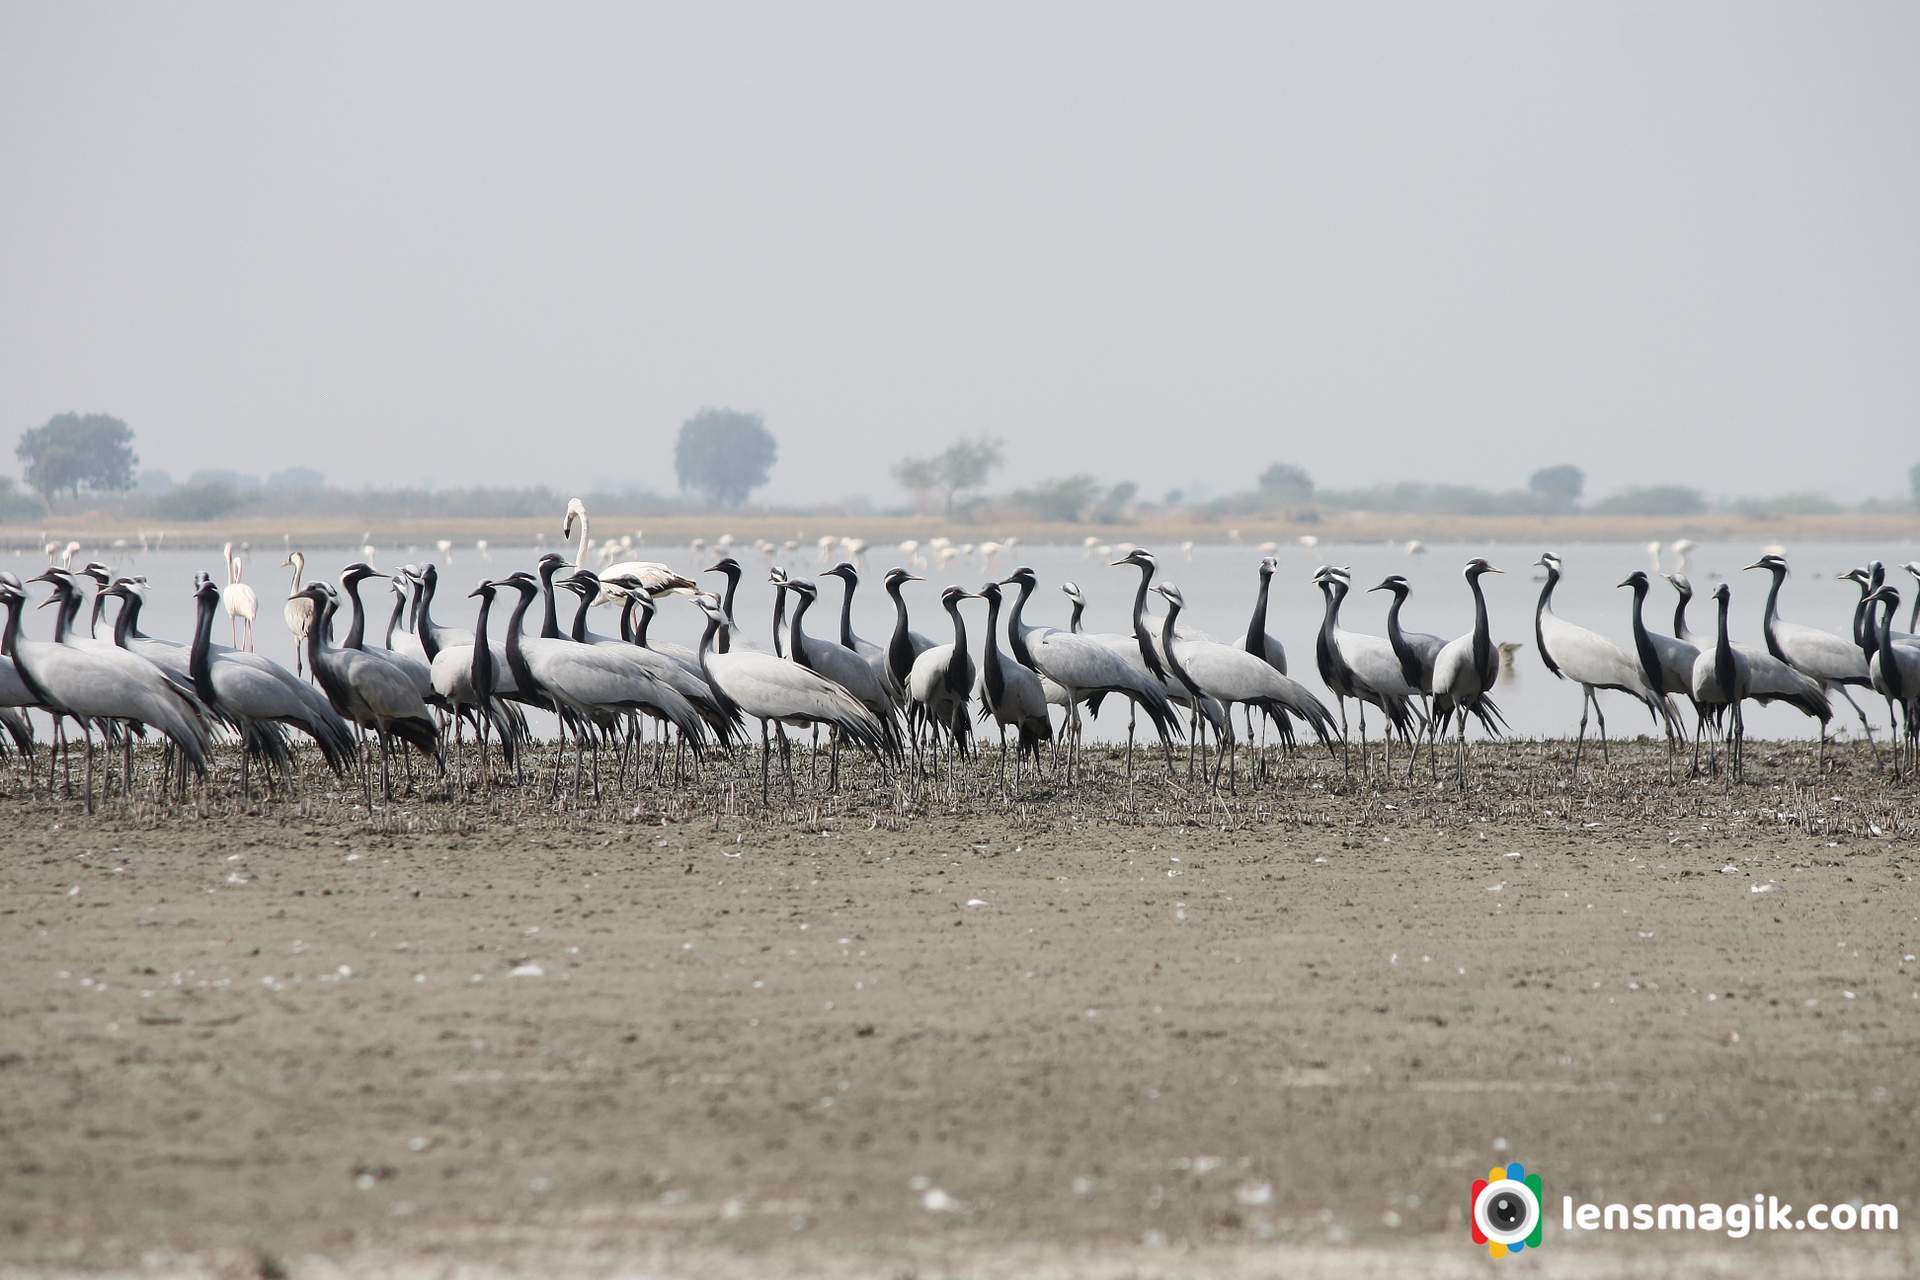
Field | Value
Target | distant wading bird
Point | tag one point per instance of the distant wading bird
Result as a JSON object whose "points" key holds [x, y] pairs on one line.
{"points": [[242, 604]]}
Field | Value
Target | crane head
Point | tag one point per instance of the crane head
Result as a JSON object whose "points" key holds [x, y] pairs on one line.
{"points": [[582, 582], [952, 596], [845, 572], [1680, 584], [896, 576], [802, 588], [1175, 601], [1479, 565], [1396, 583], [1773, 563], [1140, 557], [727, 565], [1549, 561], [1023, 577], [1638, 580], [358, 571], [1268, 565]]}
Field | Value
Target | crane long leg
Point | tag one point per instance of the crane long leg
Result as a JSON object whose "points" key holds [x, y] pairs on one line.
{"points": [[1865, 726], [1586, 696], [1346, 748], [87, 729], [1601, 716], [1365, 774], [766, 760]]}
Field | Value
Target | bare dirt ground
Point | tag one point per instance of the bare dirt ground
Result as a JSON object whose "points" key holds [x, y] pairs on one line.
{"points": [[1275, 1035]]}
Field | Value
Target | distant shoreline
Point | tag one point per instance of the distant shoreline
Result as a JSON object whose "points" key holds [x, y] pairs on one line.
{"points": [[105, 528]]}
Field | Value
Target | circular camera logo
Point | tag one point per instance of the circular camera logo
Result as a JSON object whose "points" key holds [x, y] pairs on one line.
{"points": [[1506, 1210]]}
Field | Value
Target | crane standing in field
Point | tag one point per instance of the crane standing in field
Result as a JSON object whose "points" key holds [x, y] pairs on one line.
{"points": [[1590, 660]]}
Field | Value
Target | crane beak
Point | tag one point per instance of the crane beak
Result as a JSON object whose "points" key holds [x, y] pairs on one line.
{"points": [[1491, 569], [1627, 583], [1382, 587], [1756, 565]]}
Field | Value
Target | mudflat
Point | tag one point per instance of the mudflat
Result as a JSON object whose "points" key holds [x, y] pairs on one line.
{"points": [[1079, 1032]]}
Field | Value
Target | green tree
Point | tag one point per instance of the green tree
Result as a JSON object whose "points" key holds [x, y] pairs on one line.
{"points": [[1559, 485], [1654, 500], [76, 451], [724, 455], [1064, 500], [1286, 485], [962, 465]]}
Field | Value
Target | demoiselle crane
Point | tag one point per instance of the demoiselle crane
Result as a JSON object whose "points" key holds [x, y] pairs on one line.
{"points": [[1726, 674], [1087, 666], [776, 691], [366, 687], [1464, 672], [100, 684], [1015, 697], [1895, 671], [1572, 652], [1229, 675], [1666, 662], [1819, 655], [1362, 667], [941, 683], [845, 668]]}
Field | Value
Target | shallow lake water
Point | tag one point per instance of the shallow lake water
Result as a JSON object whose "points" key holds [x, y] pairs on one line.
{"points": [[1218, 582]]}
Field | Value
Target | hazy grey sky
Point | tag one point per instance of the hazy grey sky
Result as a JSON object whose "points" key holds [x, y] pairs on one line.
{"points": [[493, 243]]}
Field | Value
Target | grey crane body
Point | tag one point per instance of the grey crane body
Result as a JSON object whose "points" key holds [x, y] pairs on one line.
{"points": [[1464, 672], [776, 691], [1227, 675], [1727, 674], [1260, 642], [1015, 697], [843, 666], [1089, 666], [256, 693], [101, 684], [941, 681], [1835, 662], [1595, 663], [1364, 668], [368, 688]]}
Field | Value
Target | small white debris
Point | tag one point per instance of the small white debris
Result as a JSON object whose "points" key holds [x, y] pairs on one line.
{"points": [[1769, 886], [976, 902], [934, 1200], [530, 969], [1729, 870], [1254, 1193]]}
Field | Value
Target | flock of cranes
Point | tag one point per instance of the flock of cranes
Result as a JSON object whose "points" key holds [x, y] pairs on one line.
{"points": [[912, 702]]}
